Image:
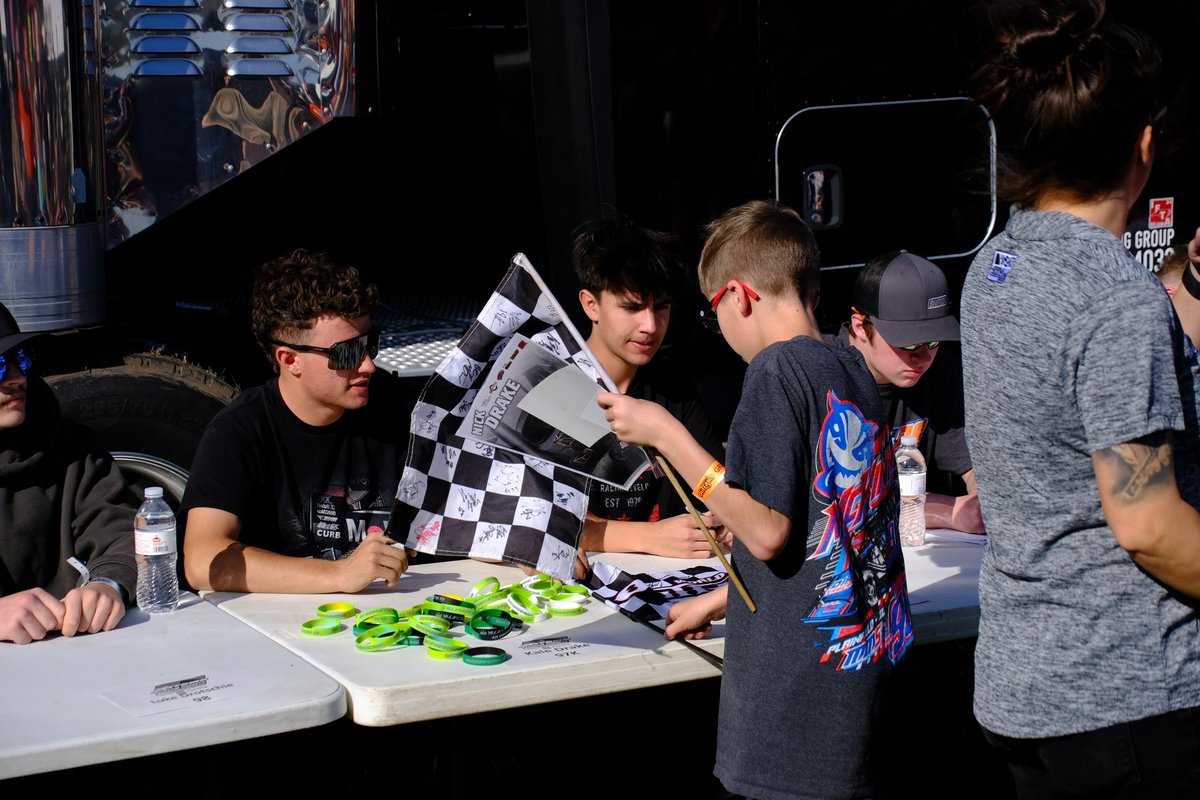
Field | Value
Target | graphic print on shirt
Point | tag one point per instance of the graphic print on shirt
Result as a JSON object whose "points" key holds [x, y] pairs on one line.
{"points": [[863, 611], [349, 503], [340, 517], [637, 503]]}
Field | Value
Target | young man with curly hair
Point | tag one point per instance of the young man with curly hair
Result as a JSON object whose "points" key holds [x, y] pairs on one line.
{"points": [[293, 481]]}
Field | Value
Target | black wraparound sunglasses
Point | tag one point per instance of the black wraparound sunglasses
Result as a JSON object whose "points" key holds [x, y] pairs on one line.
{"points": [[346, 354]]}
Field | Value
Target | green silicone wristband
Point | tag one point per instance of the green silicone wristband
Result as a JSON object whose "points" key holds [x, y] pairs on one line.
{"points": [[375, 616], [491, 624], [437, 646], [484, 600], [336, 610], [381, 637], [429, 624], [564, 609], [488, 585], [321, 626], [484, 656], [544, 588], [452, 614]]}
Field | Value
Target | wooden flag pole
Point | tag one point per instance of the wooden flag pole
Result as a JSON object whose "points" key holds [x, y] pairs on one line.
{"points": [[716, 548]]}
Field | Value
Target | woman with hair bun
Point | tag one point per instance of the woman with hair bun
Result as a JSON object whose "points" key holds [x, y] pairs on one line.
{"points": [[1082, 426]]}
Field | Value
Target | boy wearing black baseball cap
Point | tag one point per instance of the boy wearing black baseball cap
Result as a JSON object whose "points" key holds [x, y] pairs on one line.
{"points": [[900, 317]]}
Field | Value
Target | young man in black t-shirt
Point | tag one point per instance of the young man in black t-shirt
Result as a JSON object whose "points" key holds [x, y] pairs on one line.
{"points": [[293, 481], [627, 282], [900, 317]]}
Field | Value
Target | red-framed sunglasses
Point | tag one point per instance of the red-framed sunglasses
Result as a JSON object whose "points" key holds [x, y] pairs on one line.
{"points": [[716, 298]]}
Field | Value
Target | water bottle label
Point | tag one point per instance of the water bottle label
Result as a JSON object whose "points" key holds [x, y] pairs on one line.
{"points": [[912, 485], [154, 543]]}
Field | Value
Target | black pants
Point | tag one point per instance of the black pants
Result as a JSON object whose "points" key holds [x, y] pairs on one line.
{"points": [[1155, 757]]}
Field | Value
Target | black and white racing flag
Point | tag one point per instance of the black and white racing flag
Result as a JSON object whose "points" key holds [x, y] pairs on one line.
{"points": [[647, 596], [462, 497]]}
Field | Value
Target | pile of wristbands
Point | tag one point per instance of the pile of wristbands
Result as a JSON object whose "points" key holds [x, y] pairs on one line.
{"points": [[489, 612]]}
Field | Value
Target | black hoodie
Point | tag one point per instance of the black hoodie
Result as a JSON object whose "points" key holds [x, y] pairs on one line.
{"points": [[61, 495]]}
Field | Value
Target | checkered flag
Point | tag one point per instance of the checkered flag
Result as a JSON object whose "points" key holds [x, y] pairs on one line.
{"points": [[460, 497], [647, 596]]}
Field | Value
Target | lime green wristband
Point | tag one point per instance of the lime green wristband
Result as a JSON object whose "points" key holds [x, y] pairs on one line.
{"points": [[381, 637], [375, 616], [321, 626], [429, 625], [486, 586], [559, 608], [336, 610], [544, 588], [438, 646]]}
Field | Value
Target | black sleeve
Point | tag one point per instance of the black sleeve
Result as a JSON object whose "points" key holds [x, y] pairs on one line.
{"points": [[946, 416], [228, 467]]}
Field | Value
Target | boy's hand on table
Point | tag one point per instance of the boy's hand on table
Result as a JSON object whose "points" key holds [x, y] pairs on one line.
{"points": [[694, 617], [92, 608], [29, 615]]}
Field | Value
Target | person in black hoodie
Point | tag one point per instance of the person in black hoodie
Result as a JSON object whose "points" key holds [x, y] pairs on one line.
{"points": [[61, 497]]}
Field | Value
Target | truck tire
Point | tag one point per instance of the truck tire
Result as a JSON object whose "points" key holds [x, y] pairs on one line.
{"points": [[154, 405]]}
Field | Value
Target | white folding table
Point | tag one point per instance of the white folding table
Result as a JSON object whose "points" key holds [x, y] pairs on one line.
{"points": [[95, 698], [595, 653]]}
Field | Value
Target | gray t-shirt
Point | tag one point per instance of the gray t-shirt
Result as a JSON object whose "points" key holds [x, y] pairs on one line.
{"points": [[802, 679], [1071, 346]]}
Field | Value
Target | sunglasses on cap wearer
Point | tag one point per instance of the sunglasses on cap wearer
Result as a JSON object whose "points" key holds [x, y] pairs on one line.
{"points": [[908, 348], [346, 354], [912, 348], [22, 357]]}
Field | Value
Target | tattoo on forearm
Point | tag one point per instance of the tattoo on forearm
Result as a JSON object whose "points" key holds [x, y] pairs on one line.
{"points": [[1140, 464]]}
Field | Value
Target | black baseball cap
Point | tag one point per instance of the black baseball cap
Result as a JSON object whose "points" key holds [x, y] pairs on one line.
{"points": [[906, 298], [10, 332]]}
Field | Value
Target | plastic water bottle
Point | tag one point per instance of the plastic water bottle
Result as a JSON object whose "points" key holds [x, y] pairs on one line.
{"points": [[910, 465], [154, 548]]}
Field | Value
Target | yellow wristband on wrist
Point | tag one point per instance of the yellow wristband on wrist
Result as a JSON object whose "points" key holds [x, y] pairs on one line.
{"points": [[709, 480]]}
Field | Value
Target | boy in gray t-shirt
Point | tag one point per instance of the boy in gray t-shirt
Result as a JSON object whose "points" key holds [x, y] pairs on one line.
{"points": [[810, 492]]}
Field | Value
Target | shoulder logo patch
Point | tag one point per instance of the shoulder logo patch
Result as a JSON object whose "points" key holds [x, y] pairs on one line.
{"points": [[1002, 264]]}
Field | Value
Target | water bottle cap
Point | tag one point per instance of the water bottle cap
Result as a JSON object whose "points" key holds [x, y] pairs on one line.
{"points": [[907, 441], [153, 492]]}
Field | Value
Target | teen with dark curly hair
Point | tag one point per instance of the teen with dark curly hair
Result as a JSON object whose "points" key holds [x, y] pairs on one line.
{"points": [[293, 478]]}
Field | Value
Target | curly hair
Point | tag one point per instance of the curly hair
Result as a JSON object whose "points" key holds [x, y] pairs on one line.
{"points": [[293, 291]]}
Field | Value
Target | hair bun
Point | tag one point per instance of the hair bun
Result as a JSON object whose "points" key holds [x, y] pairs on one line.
{"points": [[1042, 35]]}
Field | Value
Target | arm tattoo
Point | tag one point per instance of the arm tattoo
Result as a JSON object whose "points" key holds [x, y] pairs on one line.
{"points": [[1144, 462]]}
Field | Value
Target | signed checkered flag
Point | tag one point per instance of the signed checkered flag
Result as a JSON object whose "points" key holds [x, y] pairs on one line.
{"points": [[465, 498], [647, 596]]}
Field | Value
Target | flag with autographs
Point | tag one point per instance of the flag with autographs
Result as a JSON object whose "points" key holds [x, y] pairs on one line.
{"points": [[461, 497], [648, 595]]}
